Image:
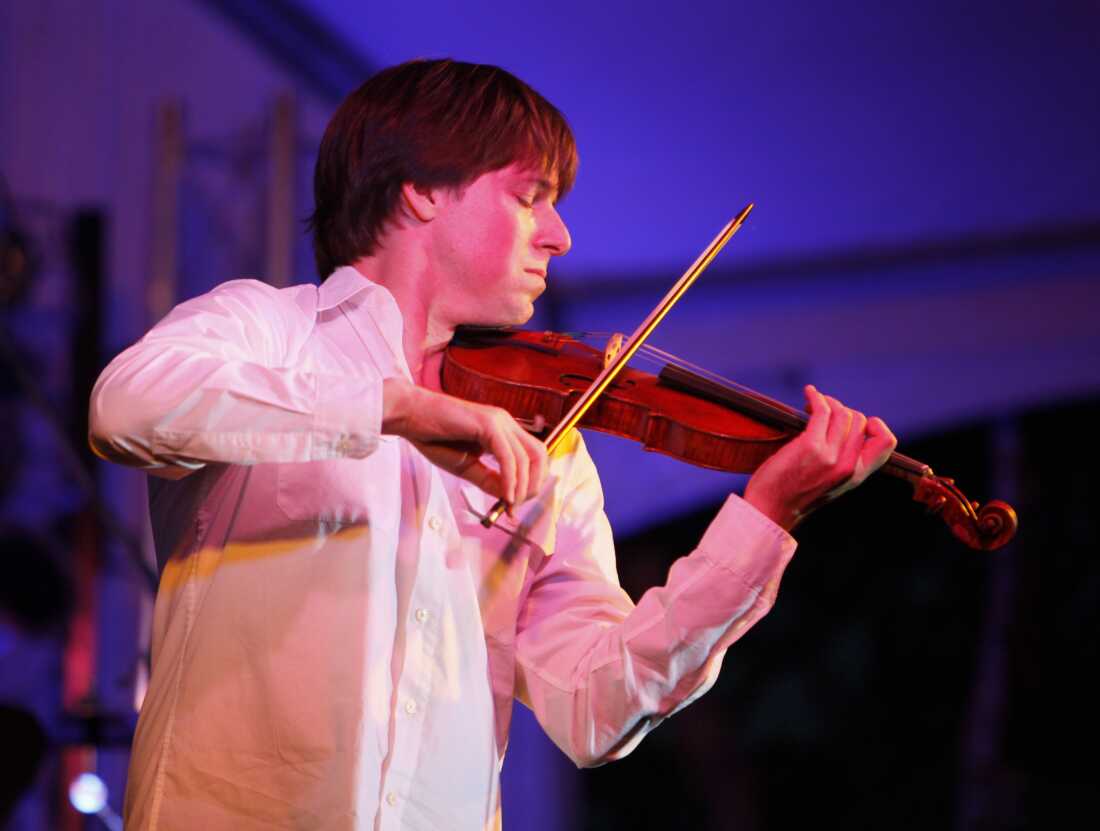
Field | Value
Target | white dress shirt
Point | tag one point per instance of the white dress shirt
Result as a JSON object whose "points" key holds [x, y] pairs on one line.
{"points": [[337, 640]]}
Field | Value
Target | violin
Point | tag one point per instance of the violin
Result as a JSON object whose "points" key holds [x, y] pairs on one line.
{"points": [[702, 420], [679, 412]]}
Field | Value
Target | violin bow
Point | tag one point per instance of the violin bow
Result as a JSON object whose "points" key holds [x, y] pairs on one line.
{"points": [[644, 330]]}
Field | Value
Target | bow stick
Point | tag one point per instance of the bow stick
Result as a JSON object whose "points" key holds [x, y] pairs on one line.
{"points": [[604, 379]]}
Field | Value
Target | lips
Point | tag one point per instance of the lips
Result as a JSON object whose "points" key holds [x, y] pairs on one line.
{"points": [[536, 271]]}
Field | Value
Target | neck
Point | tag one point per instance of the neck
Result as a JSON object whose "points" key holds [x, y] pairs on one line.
{"points": [[409, 280]]}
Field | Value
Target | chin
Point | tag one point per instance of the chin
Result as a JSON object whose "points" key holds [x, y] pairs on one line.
{"points": [[525, 315]]}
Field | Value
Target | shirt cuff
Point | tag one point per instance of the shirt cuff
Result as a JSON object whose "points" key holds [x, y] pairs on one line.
{"points": [[347, 418], [742, 540]]}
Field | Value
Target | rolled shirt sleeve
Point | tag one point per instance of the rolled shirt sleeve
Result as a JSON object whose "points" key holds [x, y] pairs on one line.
{"points": [[600, 672], [220, 379]]}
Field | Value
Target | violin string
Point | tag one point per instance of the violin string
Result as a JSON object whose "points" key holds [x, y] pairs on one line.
{"points": [[710, 375], [660, 357], [657, 356]]}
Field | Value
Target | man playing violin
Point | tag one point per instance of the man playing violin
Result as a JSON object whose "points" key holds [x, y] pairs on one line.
{"points": [[337, 639]]}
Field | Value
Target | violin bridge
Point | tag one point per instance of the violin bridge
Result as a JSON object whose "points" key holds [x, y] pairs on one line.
{"points": [[614, 346]]}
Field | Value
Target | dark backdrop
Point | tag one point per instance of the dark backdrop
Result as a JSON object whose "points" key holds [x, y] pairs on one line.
{"points": [[896, 682]]}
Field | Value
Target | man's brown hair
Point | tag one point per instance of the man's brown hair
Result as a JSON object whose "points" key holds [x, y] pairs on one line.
{"points": [[437, 123]]}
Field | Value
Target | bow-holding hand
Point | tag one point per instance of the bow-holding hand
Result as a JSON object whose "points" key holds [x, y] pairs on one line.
{"points": [[453, 434], [839, 448]]}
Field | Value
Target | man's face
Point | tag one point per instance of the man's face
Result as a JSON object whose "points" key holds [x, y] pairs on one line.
{"points": [[492, 246]]}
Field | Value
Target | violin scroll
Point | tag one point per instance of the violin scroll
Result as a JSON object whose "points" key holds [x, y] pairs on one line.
{"points": [[981, 527]]}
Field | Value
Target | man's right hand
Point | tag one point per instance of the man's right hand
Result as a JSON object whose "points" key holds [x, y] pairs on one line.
{"points": [[453, 434]]}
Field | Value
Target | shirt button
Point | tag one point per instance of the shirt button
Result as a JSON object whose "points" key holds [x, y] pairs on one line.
{"points": [[410, 707], [422, 615], [435, 523], [391, 798]]}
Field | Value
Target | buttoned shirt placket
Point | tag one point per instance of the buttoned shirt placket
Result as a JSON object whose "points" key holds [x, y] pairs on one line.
{"points": [[422, 568], [421, 577]]}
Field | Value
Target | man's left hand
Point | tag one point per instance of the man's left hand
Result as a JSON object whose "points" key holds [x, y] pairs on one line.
{"points": [[839, 448]]}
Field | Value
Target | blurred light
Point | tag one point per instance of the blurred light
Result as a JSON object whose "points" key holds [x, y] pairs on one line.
{"points": [[88, 793]]}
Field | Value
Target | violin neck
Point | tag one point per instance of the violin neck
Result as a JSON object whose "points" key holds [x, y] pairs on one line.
{"points": [[772, 413]]}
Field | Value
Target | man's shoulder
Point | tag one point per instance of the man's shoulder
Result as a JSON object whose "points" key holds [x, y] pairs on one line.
{"points": [[255, 295], [250, 288]]}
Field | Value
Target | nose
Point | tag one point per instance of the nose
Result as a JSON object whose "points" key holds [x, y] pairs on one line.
{"points": [[553, 234]]}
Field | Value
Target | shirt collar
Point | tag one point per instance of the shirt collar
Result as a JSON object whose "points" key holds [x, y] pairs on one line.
{"points": [[363, 298], [343, 284]]}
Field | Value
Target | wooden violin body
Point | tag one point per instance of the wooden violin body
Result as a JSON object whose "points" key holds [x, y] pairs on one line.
{"points": [[679, 413]]}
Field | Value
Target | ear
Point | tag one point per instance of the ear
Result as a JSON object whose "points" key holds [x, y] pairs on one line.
{"points": [[422, 202]]}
